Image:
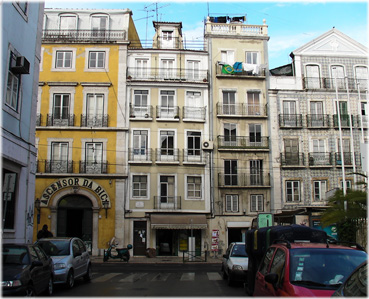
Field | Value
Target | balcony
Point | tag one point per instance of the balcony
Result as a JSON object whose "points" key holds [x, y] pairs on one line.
{"points": [[141, 112], [243, 142], [167, 155], [90, 167], [330, 83], [98, 121], [317, 121], [290, 121], [241, 110], [320, 159], [141, 156], [292, 159], [363, 121], [83, 36], [345, 121], [167, 75], [194, 113], [167, 202], [58, 121], [167, 113], [244, 180], [248, 71], [347, 158], [55, 166], [193, 156], [239, 29]]}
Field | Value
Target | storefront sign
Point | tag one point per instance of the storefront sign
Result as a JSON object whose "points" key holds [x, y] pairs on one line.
{"points": [[74, 182], [265, 220]]}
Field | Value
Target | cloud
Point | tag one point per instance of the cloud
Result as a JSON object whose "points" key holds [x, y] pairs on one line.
{"points": [[283, 43]]}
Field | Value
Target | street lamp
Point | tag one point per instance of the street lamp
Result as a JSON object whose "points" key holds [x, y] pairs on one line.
{"points": [[106, 206]]}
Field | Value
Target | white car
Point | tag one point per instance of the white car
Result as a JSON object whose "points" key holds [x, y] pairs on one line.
{"points": [[235, 263]]}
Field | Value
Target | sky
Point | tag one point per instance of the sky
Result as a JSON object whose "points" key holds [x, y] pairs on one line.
{"points": [[291, 24]]}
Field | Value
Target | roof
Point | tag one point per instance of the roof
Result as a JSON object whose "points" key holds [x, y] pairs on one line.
{"points": [[296, 245]]}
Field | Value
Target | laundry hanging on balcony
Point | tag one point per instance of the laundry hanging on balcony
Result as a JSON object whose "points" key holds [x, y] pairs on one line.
{"points": [[237, 67], [227, 69]]}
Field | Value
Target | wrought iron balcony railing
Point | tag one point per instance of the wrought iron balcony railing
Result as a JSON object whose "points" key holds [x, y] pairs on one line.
{"points": [[364, 120], [243, 142], [98, 121], [83, 36], [140, 154], [345, 121], [347, 158], [167, 155], [194, 113], [167, 202], [290, 120], [257, 179], [330, 83], [141, 111], [320, 159], [165, 112], [60, 121], [240, 109], [167, 74], [193, 156], [90, 167], [292, 159], [56, 166], [317, 121]]}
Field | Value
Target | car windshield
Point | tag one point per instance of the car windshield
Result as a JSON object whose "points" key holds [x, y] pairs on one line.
{"points": [[327, 267], [15, 255], [239, 251], [55, 247]]}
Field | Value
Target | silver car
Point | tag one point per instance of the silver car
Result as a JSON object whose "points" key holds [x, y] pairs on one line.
{"points": [[235, 263], [70, 257]]}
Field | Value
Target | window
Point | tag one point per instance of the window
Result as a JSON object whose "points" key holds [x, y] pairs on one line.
{"points": [[361, 73], [95, 110], [292, 191], [278, 265], [346, 152], [9, 197], [96, 60], [289, 114], [140, 105], [193, 69], [140, 144], [139, 185], [59, 157], [12, 88], [312, 79], [167, 143], [255, 135], [167, 68], [229, 102], [256, 172], [251, 57], [99, 26], [231, 203], [193, 144], [167, 39], [266, 261], [194, 105], [167, 189], [316, 114], [230, 134], [338, 76], [63, 59], [291, 151], [167, 104], [141, 68], [320, 188], [230, 173], [253, 103], [94, 157], [227, 56], [61, 109], [167, 35], [68, 23], [257, 203], [348, 184], [194, 187]]}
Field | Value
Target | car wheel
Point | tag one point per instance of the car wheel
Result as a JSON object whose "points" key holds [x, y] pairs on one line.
{"points": [[30, 291], [50, 287], [87, 276], [224, 274], [70, 279]]}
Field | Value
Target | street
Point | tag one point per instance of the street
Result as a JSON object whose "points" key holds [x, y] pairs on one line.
{"points": [[143, 280]]}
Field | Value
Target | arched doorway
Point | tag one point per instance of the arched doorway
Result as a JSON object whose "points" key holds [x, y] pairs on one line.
{"points": [[75, 218]]}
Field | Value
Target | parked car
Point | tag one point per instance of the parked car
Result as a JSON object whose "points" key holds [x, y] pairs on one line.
{"points": [[71, 259], [303, 269], [26, 270], [235, 263], [356, 285]]}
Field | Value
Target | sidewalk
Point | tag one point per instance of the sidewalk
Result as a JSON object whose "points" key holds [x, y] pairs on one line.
{"points": [[156, 260]]}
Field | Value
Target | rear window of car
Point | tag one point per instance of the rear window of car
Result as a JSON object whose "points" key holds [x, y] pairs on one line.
{"points": [[55, 247], [328, 266], [15, 255]]}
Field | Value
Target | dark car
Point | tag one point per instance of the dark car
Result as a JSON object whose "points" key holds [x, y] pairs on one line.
{"points": [[70, 257], [356, 285], [27, 270]]}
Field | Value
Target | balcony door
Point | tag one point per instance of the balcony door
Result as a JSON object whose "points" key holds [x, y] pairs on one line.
{"points": [[256, 172], [166, 146], [94, 157], [230, 135], [167, 104], [61, 109], [140, 105], [230, 173], [291, 151], [317, 157], [289, 113], [255, 135], [316, 113], [229, 102], [95, 110], [167, 69], [193, 69], [167, 192], [312, 77], [167, 40], [194, 105], [194, 146], [59, 157], [99, 25], [338, 76], [140, 145]]}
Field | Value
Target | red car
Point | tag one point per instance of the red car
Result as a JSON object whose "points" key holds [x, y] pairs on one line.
{"points": [[305, 269]]}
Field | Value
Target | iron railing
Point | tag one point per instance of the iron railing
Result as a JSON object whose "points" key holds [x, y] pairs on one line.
{"points": [[243, 142], [290, 120], [330, 83], [167, 202], [165, 112], [70, 36], [194, 113], [140, 154], [317, 120], [195, 256], [141, 111], [167, 154], [98, 121], [193, 156], [90, 167], [320, 159], [240, 109], [167, 74], [58, 166], [292, 159], [58, 121], [256, 179]]}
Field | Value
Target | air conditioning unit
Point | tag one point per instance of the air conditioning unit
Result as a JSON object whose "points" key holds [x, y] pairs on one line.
{"points": [[20, 65], [208, 145]]}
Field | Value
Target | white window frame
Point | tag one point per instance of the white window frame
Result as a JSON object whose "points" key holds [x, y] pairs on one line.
{"points": [[319, 190], [256, 203], [361, 76], [54, 68], [252, 57], [142, 67], [227, 56], [194, 157], [140, 188], [194, 184], [86, 141], [137, 198], [141, 111], [94, 90], [103, 69], [231, 203], [292, 188], [62, 90], [163, 204], [70, 25]]}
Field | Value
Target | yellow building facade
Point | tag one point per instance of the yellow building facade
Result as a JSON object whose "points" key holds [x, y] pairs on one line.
{"points": [[81, 131]]}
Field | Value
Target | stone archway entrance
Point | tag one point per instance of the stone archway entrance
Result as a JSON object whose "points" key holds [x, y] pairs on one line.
{"points": [[75, 218]]}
